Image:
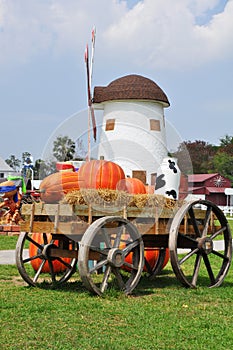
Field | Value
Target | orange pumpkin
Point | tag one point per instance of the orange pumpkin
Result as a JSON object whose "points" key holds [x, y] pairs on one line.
{"points": [[167, 256], [131, 185], [151, 255], [54, 186], [100, 174], [33, 250]]}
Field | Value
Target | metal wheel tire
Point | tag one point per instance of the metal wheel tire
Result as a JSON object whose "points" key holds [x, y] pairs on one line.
{"points": [[35, 278], [196, 232], [110, 241]]}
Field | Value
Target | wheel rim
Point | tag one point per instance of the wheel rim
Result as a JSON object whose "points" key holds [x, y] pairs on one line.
{"points": [[157, 268], [111, 240], [36, 278], [194, 238]]}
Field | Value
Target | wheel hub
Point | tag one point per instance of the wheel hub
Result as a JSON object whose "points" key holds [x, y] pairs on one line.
{"points": [[205, 244], [46, 251], [116, 257]]}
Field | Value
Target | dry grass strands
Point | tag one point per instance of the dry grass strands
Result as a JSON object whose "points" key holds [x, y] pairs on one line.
{"points": [[114, 198]]}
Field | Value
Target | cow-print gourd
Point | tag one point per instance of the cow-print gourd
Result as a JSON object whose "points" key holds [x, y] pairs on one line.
{"points": [[160, 182], [172, 166], [172, 193]]}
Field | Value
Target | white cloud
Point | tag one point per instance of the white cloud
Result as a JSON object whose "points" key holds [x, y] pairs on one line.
{"points": [[164, 33], [155, 33]]}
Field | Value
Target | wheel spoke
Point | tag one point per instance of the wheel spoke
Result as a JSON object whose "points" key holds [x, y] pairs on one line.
{"points": [[38, 272], [52, 270], [104, 284], [98, 265], [225, 257], [209, 269], [45, 238], [107, 239], [118, 236], [64, 262], [118, 275], [187, 256], [196, 269], [35, 243], [99, 250], [206, 222], [131, 266], [188, 242], [194, 222], [130, 247], [214, 235], [38, 256]]}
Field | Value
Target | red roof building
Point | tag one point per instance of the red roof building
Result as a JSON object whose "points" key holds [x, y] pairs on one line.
{"points": [[212, 186]]}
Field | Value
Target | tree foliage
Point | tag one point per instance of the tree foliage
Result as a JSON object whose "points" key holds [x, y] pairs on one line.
{"points": [[206, 158], [14, 163], [199, 153], [63, 148]]}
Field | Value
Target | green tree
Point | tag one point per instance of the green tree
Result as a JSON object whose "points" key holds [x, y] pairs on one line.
{"points": [[199, 153], [63, 148], [223, 159], [14, 163], [226, 145]]}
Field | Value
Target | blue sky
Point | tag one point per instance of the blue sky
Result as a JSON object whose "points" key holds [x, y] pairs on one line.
{"points": [[185, 46]]}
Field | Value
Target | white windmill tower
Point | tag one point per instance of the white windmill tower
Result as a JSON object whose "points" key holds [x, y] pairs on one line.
{"points": [[133, 129]]}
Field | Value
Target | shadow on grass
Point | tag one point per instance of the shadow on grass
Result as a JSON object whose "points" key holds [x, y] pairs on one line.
{"points": [[147, 286]]}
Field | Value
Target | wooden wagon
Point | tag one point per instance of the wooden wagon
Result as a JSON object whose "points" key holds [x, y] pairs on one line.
{"points": [[107, 244]]}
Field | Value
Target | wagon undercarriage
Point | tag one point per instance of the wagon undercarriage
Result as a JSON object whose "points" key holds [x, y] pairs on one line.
{"points": [[108, 245]]}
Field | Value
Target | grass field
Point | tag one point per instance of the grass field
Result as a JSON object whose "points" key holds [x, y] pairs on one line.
{"points": [[160, 314]]}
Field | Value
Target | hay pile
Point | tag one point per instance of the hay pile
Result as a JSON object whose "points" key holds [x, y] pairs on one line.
{"points": [[114, 198]]}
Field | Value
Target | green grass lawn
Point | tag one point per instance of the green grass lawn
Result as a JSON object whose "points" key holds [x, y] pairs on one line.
{"points": [[160, 314]]}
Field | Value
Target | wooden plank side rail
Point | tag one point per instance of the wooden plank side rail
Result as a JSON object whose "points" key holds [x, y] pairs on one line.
{"points": [[68, 219], [42, 209]]}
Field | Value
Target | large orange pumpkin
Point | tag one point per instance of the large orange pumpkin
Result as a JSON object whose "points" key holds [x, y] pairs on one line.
{"points": [[100, 174], [54, 186], [33, 250], [131, 185], [151, 255]]}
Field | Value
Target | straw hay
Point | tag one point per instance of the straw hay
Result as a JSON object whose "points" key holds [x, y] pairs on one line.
{"points": [[114, 198]]}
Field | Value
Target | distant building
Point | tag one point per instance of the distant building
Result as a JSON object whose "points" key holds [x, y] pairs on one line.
{"points": [[5, 170], [210, 187]]}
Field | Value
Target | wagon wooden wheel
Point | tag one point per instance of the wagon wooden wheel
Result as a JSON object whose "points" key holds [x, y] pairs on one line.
{"points": [[197, 230], [48, 270], [118, 253]]}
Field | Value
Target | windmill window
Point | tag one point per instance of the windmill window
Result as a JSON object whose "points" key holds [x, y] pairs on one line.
{"points": [[155, 125], [110, 124]]}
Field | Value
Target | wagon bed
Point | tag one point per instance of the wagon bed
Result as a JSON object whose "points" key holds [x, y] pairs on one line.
{"points": [[109, 243]]}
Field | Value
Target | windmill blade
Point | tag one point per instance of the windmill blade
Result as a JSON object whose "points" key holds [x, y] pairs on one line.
{"points": [[90, 105]]}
